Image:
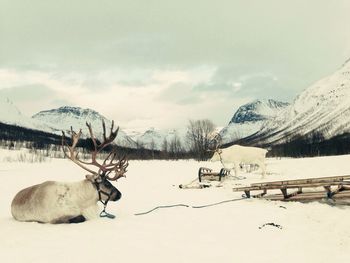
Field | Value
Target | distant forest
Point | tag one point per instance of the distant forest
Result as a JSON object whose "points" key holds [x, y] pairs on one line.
{"points": [[299, 146], [11, 135], [312, 145]]}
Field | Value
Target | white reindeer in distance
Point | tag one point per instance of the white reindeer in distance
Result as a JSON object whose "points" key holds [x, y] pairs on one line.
{"points": [[233, 157]]}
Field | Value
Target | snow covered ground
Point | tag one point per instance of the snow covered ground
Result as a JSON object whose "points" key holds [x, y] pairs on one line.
{"points": [[228, 232]]}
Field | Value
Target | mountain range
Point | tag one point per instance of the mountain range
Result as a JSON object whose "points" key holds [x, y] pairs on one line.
{"points": [[322, 108], [63, 118]]}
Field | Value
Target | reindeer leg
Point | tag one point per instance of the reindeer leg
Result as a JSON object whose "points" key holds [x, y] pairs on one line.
{"points": [[236, 168], [68, 219], [262, 166], [77, 219]]}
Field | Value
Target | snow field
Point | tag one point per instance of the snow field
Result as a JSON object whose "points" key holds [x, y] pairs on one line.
{"points": [[229, 232]]}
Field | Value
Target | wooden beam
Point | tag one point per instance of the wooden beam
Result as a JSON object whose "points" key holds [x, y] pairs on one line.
{"points": [[303, 185], [307, 180], [308, 196], [342, 190]]}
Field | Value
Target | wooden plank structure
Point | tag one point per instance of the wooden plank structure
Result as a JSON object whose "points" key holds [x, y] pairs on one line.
{"points": [[208, 174], [310, 189]]}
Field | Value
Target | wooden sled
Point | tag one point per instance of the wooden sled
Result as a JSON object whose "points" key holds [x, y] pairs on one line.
{"points": [[310, 189], [208, 174], [205, 176]]}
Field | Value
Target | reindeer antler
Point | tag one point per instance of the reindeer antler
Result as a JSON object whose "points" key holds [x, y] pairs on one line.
{"points": [[116, 166], [216, 140], [109, 165], [73, 156]]}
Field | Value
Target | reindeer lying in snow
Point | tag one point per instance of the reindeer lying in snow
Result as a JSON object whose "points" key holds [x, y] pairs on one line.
{"points": [[57, 202], [236, 155]]}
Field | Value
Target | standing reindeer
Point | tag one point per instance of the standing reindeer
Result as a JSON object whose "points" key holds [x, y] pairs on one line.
{"points": [[58, 202], [236, 156]]}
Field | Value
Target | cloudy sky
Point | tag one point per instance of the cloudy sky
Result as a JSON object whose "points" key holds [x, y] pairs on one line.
{"points": [[159, 63]]}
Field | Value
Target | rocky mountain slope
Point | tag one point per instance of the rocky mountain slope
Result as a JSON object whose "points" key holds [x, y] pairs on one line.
{"points": [[322, 108], [249, 119], [10, 114]]}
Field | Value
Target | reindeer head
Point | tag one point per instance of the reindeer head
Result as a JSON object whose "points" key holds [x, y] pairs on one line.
{"points": [[110, 169], [214, 147]]}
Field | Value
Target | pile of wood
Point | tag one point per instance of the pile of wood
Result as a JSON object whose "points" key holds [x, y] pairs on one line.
{"points": [[310, 189]]}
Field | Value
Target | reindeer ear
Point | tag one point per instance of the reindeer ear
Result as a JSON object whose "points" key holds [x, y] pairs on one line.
{"points": [[93, 178]]}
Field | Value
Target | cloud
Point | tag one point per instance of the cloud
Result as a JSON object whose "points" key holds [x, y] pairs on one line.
{"points": [[232, 82], [33, 98], [164, 61], [27, 92], [165, 99], [162, 34], [179, 93]]}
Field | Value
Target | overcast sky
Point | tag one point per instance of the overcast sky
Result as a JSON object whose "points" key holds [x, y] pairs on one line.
{"points": [[158, 63]]}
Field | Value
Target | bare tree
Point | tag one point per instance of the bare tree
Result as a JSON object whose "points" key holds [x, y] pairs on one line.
{"points": [[175, 147], [152, 147], [199, 133], [140, 145], [165, 145]]}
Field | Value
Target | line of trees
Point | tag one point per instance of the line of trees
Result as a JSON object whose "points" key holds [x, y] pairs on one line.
{"points": [[195, 145], [313, 144]]}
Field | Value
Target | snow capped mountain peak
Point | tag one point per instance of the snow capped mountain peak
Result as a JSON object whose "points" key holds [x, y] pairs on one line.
{"points": [[65, 117], [324, 107], [74, 112], [249, 119], [258, 110], [154, 139], [10, 114]]}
